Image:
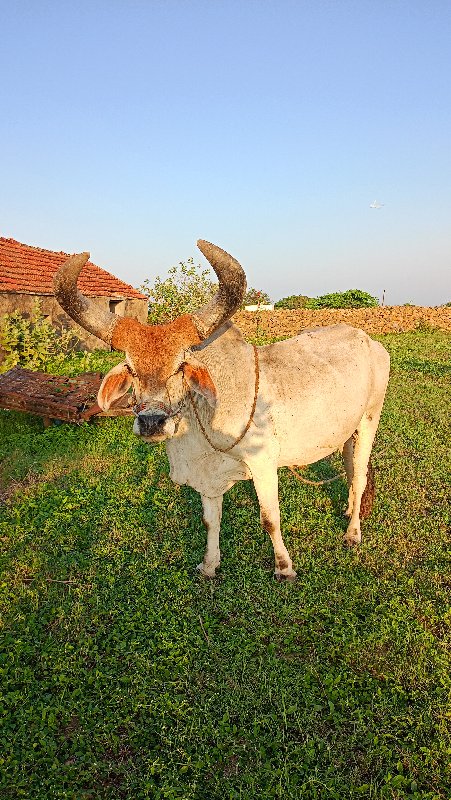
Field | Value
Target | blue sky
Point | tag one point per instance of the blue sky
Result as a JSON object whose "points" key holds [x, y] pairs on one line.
{"points": [[131, 129]]}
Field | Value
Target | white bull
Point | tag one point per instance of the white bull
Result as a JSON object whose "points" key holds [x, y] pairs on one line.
{"points": [[318, 393], [229, 411]]}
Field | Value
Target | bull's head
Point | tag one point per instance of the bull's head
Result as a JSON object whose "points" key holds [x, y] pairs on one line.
{"points": [[159, 361]]}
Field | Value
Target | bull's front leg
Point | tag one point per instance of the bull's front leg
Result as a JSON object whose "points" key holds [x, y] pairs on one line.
{"points": [[267, 488], [212, 513]]}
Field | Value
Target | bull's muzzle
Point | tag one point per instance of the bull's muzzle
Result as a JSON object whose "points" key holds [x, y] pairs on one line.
{"points": [[149, 424], [153, 423]]}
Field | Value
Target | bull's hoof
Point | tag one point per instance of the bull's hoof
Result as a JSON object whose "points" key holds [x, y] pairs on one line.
{"points": [[351, 539], [285, 577], [206, 572]]}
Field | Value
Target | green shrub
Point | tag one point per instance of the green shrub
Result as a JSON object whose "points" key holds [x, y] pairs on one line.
{"points": [[293, 301], [255, 296], [33, 342], [352, 298], [186, 288]]}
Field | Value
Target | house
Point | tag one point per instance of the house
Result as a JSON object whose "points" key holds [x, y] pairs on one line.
{"points": [[26, 275]]}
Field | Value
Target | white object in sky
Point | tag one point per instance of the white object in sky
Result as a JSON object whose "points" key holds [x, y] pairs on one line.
{"points": [[375, 204]]}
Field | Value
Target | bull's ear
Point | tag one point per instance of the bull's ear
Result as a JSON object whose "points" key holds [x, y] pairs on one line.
{"points": [[199, 380], [114, 385]]}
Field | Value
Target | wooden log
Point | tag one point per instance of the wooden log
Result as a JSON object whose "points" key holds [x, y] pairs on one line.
{"points": [[56, 396]]}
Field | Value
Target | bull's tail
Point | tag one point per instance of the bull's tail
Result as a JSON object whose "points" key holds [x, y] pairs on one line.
{"points": [[367, 501]]}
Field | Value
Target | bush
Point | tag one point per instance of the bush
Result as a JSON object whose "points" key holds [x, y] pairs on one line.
{"points": [[293, 301], [254, 297], [33, 342], [352, 298], [186, 288]]}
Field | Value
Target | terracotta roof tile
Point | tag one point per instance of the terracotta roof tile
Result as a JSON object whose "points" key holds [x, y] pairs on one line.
{"points": [[30, 270]]}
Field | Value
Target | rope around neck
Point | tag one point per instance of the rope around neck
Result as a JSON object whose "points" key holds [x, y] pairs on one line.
{"points": [[251, 417], [315, 483], [249, 422]]}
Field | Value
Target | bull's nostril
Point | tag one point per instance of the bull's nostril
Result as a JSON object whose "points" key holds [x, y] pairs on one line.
{"points": [[153, 419], [150, 423]]}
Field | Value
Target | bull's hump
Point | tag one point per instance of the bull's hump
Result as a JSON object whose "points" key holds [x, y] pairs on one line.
{"points": [[339, 332]]}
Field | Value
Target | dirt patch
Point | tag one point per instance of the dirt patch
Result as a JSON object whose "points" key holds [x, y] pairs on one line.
{"points": [[387, 319]]}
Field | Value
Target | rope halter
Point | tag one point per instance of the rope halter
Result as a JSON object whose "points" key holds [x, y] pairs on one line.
{"points": [[251, 417]]}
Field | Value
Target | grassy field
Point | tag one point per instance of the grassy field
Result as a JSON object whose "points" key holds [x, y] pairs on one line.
{"points": [[124, 674]]}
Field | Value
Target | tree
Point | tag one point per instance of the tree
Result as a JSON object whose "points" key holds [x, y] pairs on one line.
{"points": [[186, 288], [254, 297]]}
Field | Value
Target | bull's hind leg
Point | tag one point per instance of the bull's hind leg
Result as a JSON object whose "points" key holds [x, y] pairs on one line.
{"points": [[363, 444], [348, 458], [266, 486], [212, 513]]}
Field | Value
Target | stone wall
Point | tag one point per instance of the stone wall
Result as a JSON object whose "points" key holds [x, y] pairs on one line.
{"points": [[127, 307], [382, 319]]}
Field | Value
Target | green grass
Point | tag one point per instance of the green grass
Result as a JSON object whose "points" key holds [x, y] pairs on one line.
{"points": [[124, 674]]}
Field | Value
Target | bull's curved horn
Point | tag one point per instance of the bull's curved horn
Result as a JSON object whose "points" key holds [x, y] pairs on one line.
{"points": [[228, 298], [83, 311]]}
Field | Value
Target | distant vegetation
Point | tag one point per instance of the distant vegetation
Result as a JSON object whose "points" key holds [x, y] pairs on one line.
{"points": [[255, 296], [188, 287], [293, 301], [352, 298]]}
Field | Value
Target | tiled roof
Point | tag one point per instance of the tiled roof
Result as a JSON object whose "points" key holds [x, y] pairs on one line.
{"points": [[30, 270]]}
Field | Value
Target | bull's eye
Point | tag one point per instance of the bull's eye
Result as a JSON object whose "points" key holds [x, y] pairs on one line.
{"points": [[131, 371]]}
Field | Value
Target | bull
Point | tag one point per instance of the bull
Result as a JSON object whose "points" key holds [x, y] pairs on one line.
{"points": [[230, 411]]}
